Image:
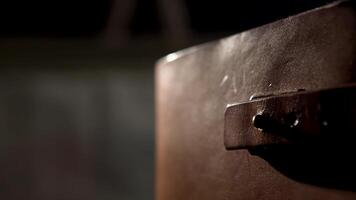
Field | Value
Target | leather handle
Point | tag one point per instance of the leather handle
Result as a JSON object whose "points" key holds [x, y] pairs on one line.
{"points": [[292, 118]]}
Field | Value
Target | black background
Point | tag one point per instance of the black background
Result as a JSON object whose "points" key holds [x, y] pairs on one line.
{"points": [[84, 17]]}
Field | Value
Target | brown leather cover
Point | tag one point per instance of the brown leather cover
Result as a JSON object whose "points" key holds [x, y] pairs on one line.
{"points": [[311, 51]]}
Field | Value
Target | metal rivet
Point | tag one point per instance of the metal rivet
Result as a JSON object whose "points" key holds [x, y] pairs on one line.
{"points": [[291, 120], [261, 121]]}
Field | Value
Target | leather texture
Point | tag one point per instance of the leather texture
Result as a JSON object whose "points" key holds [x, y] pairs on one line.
{"points": [[314, 50]]}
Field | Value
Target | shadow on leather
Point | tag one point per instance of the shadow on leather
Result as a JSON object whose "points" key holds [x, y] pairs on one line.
{"points": [[331, 166]]}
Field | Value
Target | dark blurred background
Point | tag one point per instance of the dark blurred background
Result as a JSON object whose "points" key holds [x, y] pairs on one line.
{"points": [[77, 97]]}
